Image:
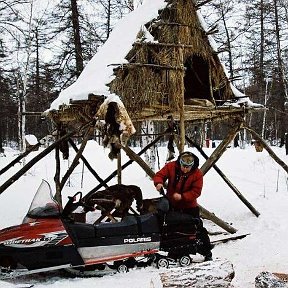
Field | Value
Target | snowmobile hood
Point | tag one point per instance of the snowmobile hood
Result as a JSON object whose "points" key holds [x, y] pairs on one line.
{"points": [[48, 232]]}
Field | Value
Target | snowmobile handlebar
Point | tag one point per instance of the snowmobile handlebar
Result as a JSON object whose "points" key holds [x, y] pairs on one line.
{"points": [[72, 205], [162, 192]]}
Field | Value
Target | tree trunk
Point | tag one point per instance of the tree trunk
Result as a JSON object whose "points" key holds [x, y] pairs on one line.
{"points": [[1, 138], [231, 74], [21, 121], [108, 24], [77, 39], [283, 93]]}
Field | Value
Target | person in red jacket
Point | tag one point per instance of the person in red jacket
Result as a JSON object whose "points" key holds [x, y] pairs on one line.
{"points": [[185, 182]]}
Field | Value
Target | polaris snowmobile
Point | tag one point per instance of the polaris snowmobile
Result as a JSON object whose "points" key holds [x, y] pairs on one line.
{"points": [[49, 239]]}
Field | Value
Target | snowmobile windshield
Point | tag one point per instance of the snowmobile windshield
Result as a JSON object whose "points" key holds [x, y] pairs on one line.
{"points": [[43, 204]]}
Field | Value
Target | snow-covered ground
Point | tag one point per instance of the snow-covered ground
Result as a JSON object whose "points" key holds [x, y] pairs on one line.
{"points": [[257, 176]]}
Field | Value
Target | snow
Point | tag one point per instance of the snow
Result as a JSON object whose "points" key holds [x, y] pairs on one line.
{"points": [[31, 139], [257, 176], [204, 25]]}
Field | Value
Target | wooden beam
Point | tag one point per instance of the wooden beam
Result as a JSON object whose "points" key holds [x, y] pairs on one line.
{"points": [[234, 189], [181, 106], [163, 44], [211, 216], [21, 156], [57, 177], [268, 149], [220, 149], [119, 170], [94, 173], [75, 161], [27, 113], [133, 156], [147, 65], [38, 157], [201, 3]]}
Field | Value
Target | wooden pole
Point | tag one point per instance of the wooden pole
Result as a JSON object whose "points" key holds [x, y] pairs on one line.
{"points": [[211, 216], [57, 176], [182, 109], [133, 156], [75, 161], [182, 132], [234, 189], [95, 174], [38, 157], [119, 170], [220, 149], [21, 156], [268, 149]]}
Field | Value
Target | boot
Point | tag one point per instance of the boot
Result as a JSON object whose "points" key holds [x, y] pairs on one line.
{"points": [[208, 257]]}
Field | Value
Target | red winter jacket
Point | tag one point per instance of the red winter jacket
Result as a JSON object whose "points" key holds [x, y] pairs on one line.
{"points": [[189, 184]]}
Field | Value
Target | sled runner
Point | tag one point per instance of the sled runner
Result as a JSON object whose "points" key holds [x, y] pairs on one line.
{"points": [[226, 238]]}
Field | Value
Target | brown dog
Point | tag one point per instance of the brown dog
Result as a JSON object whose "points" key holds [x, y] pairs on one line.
{"points": [[119, 197]]}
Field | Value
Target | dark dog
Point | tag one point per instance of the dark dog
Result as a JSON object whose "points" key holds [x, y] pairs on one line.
{"points": [[150, 205], [119, 197]]}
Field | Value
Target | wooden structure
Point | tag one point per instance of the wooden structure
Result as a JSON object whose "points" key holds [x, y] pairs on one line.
{"points": [[177, 75]]}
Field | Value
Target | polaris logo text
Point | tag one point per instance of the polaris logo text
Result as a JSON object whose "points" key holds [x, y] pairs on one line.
{"points": [[137, 240]]}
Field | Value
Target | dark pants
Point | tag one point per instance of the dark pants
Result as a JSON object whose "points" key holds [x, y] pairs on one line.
{"points": [[202, 234]]}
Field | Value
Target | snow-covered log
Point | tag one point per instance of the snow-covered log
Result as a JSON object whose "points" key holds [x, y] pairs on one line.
{"points": [[269, 280], [212, 274]]}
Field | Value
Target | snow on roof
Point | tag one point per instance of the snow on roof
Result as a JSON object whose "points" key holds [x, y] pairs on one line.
{"points": [[97, 72], [204, 25]]}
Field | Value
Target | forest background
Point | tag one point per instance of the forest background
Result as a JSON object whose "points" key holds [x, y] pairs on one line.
{"points": [[44, 45]]}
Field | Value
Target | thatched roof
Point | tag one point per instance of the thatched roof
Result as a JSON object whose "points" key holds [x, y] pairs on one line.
{"points": [[159, 59]]}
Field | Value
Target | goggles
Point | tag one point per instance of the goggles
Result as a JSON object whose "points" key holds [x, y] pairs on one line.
{"points": [[186, 164]]}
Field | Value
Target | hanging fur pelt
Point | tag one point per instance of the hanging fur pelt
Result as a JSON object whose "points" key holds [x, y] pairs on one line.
{"points": [[117, 126]]}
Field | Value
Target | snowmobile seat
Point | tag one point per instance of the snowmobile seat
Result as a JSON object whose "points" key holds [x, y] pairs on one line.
{"points": [[80, 233], [148, 223], [175, 221], [128, 226]]}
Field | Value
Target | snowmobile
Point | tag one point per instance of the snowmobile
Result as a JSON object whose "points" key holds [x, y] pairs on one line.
{"points": [[50, 239]]}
